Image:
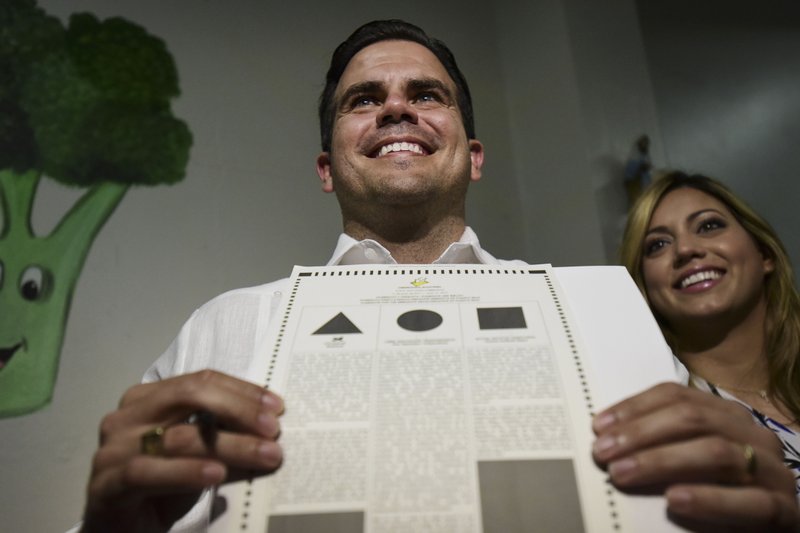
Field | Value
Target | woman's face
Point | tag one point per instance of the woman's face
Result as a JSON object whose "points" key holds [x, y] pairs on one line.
{"points": [[698, 262]]}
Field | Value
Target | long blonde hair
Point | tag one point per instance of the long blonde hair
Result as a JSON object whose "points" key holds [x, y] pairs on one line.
{"points": [[782, 325]]}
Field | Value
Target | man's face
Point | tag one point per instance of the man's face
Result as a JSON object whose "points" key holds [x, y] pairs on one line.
{"points": [[398, 137]]}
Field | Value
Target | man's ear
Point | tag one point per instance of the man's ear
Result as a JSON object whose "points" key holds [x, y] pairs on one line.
{"points": [[324, 171], [476, 156]]}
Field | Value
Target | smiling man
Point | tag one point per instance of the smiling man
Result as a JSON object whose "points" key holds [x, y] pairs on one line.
{"points": [[400, 160], [399, 152]]}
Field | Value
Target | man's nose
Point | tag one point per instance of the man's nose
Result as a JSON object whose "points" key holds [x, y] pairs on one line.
{"points": [[397, 109]]}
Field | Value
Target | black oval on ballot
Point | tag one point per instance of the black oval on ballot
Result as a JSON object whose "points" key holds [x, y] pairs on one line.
{"points": [[419, 320]]}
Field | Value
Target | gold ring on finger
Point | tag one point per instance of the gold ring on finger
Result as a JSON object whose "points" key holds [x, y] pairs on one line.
{"points": [[152, 441], [750, 460]]}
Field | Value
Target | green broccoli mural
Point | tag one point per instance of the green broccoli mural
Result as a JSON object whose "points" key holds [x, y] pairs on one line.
{"points": [[87, 105]]}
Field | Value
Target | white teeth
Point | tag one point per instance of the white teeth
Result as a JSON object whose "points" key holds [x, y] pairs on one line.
{"points": [[400, 147], [700, 276]]}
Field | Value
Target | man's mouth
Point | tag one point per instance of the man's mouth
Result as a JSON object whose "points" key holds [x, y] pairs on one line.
{"points": [[401, 147], [7, 353], [698, 277], [409, 147]]}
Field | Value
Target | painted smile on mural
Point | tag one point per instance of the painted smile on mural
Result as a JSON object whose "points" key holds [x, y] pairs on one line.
{"points": [[7, 353], [107, 81]]}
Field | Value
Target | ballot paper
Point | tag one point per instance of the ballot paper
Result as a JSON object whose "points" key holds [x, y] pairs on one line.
{"points": [[450, 398]]}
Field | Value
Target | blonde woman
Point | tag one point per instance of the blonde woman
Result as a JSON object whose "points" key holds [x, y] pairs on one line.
{"points": [[721, 286]]}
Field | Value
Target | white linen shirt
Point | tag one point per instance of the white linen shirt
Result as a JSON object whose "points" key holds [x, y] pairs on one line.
{"points": [[230, 331], [225, 333]]}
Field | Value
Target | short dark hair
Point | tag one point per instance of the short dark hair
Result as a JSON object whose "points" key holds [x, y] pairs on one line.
{"points": [[386, 30]]}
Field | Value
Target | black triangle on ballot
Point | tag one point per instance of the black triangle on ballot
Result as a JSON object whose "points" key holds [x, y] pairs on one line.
{"points": [[337, 325]]}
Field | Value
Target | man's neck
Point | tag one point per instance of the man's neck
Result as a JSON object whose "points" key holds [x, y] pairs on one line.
{"points": [[412, 243]]}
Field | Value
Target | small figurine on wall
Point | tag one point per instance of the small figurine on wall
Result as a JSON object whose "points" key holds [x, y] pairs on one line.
{"points": [[638, 169], [87, 105]]}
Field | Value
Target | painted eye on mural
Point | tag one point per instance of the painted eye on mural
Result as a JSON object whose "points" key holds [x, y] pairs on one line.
{"points": [[33, 283]]}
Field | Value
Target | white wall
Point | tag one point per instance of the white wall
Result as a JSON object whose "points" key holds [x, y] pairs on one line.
{"points": [[726, 76], [579, 93], [616, 99], [550, 166]]}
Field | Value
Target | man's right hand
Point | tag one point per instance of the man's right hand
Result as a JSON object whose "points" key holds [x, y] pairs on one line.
{"points": [[131, 491]]}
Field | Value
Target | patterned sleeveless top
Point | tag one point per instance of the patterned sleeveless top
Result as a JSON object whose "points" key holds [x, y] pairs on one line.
{"points": [[790, 439]]}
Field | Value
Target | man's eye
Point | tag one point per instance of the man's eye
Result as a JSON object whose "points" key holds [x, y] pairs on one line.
{"points": [[362, 101], [427, 97]]}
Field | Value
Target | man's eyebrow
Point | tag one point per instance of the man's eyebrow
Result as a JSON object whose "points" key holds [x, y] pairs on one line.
{"points": [[421, 84], [363, 87], [414, 84]]}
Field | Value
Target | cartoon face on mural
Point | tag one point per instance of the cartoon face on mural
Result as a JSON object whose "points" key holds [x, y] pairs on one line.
{"points": [[88, 105], [34, 287], [35, 284]]}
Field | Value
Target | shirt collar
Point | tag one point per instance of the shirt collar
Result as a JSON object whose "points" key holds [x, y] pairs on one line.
{"points": [[352, 252]]}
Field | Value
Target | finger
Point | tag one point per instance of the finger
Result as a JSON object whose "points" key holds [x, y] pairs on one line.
{"points": [[237, 404], [677, 423], [651, 399], [206, 382], [145, 476], [122, 478], [681, 420], [233, 449], [664, 396], [703, 460], [745, 508], [189, 440], [233, 384]]}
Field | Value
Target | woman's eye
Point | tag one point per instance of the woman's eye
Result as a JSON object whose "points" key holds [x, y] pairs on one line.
{"points": [[654, 246], [710, 225]]}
